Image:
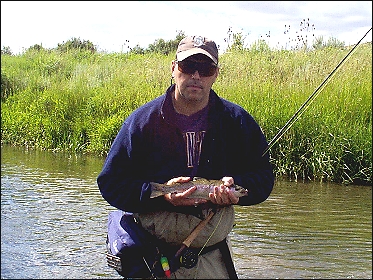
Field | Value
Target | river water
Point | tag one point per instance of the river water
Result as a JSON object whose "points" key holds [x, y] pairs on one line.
{"points": [[53, 224]]}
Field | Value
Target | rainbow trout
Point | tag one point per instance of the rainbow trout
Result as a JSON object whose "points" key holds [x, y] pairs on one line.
{"points": [[204, 187]]}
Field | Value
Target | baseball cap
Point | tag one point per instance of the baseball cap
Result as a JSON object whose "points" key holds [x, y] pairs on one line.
{"points": [[191, 45]]}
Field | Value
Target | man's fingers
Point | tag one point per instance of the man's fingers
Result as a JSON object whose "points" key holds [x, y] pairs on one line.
{"points": [[189, 191], [227, 181], [178, 180], [222, 195]]}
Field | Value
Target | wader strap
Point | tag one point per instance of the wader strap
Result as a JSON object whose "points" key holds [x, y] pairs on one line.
{"points": [[228, 260]]}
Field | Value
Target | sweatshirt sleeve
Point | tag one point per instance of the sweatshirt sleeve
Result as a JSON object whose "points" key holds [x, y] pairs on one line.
{"points": [[240, 154], [258, 177], [118, 181]]}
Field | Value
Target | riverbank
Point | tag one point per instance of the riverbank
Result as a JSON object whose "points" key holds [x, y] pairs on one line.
{"points": [[77, 101]]}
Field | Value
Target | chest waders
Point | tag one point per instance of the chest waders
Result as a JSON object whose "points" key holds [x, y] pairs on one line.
{"points": [[189, 258]]}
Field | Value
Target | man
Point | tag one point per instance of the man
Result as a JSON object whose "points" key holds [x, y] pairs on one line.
{"points": [[189, 132]]}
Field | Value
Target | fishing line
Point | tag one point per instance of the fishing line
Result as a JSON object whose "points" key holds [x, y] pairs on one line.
{"points": [[305, 105], [208, 239]]}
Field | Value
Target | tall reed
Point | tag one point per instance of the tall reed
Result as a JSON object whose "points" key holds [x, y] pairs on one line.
{"points": [[77, 102]]}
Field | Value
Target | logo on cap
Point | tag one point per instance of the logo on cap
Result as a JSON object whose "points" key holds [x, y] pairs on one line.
{"points": [[198, 41]]}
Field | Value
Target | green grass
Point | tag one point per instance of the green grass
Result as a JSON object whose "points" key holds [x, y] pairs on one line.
{"points": [[77, 102]]}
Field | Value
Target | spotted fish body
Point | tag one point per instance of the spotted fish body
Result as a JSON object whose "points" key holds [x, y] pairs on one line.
{"points": [[204, 187]]}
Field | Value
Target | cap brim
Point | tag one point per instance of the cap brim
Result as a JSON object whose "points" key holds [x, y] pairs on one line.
{"points": [[184, 54]]}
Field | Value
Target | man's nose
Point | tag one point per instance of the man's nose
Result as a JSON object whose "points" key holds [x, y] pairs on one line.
{"points": [[195, 75]]}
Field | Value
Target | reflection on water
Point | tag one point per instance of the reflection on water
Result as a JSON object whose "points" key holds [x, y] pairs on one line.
{"points": [[53, 224]]}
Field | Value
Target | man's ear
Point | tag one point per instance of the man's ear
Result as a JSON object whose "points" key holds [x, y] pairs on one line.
{"points": [[173, 64], [216, 74]]}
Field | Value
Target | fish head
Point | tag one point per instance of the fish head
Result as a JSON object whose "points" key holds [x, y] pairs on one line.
{"points": [[240, 191]]}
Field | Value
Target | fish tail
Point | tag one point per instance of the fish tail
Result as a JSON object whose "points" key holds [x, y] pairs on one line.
{"points": [[156, 189]]}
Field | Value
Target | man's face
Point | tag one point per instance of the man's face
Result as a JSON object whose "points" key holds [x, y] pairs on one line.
{"points": [[194, 77]]}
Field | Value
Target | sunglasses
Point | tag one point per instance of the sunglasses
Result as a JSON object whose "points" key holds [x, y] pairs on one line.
{"points": [[205, 69]]}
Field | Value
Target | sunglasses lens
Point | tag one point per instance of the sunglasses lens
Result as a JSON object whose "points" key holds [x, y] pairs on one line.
{"points": [[189, 67]]}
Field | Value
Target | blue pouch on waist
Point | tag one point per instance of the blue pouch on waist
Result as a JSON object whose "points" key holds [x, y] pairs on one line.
{"points": [[132, 251]]}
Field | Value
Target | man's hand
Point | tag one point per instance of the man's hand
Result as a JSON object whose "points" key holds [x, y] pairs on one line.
{"points": [[182, 199], [222, 194]]}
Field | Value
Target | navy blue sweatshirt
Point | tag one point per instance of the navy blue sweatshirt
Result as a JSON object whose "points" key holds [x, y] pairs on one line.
{"points": [[150, 148]]}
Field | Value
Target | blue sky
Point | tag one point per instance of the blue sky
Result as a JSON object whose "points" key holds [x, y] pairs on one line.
{"points": [[114, 26]]}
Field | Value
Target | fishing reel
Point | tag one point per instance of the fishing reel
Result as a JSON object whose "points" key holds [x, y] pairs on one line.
{"points": [[188, 258]]}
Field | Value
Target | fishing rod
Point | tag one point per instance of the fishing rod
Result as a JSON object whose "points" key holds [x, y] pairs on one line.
{"points": [[305, 105]]}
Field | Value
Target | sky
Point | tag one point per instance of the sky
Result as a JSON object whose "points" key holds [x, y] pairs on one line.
{"points": [[116, 26]]}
